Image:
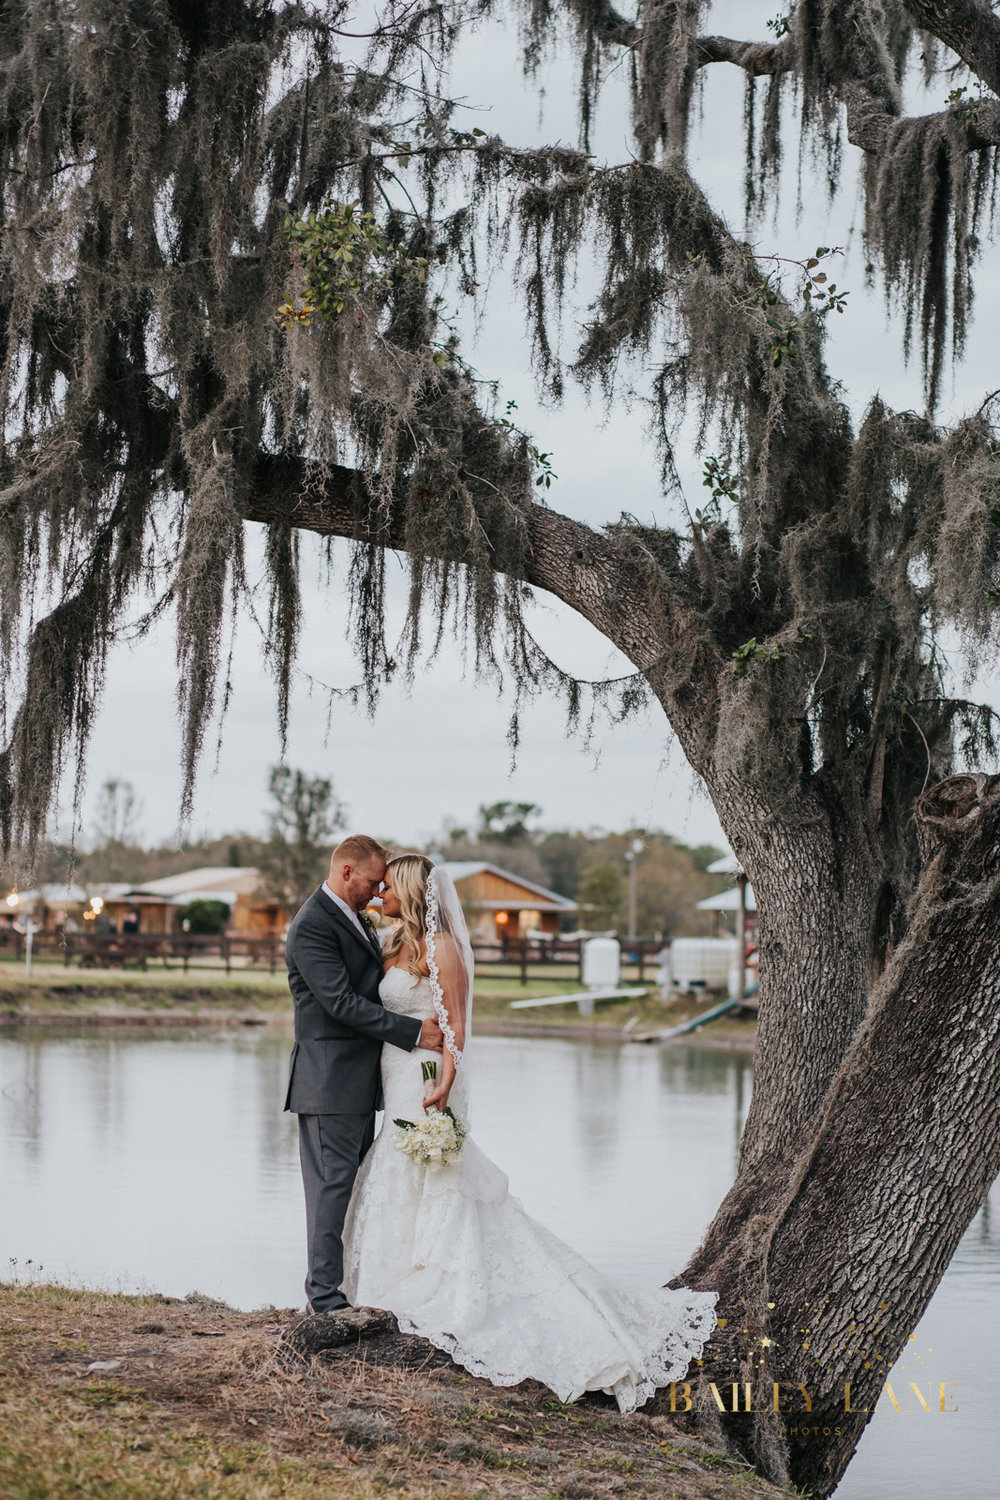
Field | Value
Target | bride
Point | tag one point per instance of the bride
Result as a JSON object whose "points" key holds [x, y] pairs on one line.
{"points": [[445, 1247]]}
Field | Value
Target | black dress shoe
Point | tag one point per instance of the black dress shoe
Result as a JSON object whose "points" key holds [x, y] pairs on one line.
{"points": [[331, 1307]]}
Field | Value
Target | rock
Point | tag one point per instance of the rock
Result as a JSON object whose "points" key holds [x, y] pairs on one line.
{"points": [[536, 1458], [313, 1334], [104, 1364], [465, 1449], [198, 1299], [575, 1488], [361, 1430]]}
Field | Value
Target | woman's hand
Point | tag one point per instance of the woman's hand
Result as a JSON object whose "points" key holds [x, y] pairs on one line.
{"points": [[439, 1094]]}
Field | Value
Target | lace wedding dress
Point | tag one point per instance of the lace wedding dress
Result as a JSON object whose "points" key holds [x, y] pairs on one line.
{"points": [[457, 1259]]}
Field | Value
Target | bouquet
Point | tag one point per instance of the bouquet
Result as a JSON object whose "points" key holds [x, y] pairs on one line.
{"points": [[437, 1138]]}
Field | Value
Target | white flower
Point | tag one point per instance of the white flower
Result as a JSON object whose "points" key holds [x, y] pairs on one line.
{"points": [[431, 1141]]}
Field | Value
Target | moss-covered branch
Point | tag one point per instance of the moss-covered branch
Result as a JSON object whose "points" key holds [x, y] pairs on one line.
{"points": [[584, 568], [971, 28]]}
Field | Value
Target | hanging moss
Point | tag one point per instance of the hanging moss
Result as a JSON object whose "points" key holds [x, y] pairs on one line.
{"points": [[146, 380]]}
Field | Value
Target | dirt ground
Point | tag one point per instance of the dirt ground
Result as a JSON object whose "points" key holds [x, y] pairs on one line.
{"points": [[106, 1397]]}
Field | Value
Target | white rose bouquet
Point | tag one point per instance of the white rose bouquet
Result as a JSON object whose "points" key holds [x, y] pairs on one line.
{"points": [[434, 1140]]}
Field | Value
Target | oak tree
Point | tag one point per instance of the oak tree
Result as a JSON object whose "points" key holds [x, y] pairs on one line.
{"points": [[224, 239]]}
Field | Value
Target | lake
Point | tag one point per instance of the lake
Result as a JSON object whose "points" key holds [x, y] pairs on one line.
{"points": [[160, 1160]]}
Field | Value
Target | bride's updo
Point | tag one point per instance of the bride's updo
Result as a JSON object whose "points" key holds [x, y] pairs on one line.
{"points": [[409, 876]]}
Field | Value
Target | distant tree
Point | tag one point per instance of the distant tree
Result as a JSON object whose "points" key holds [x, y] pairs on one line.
{"points": [[602, 890], [304, 817], [668, 885], [502, 838], [702, 855], [117, 818], [55, 864], [563, 854], [506, 822], [117, 839], [668, 889], [205, 917]]}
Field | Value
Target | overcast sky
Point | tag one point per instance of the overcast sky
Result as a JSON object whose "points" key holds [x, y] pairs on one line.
{"points": [[437, 753]]}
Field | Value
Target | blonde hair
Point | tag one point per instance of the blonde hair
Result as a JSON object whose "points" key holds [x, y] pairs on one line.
{"points": [[409, 874]]}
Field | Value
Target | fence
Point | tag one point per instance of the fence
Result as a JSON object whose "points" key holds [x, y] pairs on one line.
{"points": [[189, 950], [100, 950], [640, 954]]}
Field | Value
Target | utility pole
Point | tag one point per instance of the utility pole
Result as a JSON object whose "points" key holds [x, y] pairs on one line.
{"points": [[632, 856]]}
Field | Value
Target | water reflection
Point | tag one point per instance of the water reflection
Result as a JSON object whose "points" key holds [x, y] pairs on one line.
{"points": [[162, 1160]]}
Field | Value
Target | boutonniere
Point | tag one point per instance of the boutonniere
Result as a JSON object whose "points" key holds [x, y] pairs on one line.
{"points": [[369, 925]]}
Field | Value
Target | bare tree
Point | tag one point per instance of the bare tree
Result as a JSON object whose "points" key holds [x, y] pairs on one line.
{"points": [[154, 405], [304, 817], [117, 839]]}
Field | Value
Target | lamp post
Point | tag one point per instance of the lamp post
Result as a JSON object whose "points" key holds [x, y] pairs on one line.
{"points": [[632, 856]]}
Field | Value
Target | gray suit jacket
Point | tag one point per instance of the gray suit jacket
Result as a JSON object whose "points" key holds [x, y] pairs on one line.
{"points": [[340, 1022]]}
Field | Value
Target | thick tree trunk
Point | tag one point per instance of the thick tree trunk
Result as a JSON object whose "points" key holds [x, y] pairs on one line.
{"points": [[814, 874], [814, 881], [862, 1162], [900, 1157], [814, 903]]}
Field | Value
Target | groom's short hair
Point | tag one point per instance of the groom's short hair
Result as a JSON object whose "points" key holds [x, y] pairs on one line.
{"points": [[357, 847]]}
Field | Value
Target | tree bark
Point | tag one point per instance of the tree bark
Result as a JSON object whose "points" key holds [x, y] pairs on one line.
{"points": [[899, 1158], [969, 27], [578, 565], [861, 1118]]}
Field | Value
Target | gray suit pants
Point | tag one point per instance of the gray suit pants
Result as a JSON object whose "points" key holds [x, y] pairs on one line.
{"points": [[330, 1149]]}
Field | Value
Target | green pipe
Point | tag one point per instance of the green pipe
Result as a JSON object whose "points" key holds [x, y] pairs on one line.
{"points": [[709, 1015]]}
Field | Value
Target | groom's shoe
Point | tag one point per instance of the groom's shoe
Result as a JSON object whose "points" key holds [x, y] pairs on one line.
{"points": [[331, 1307]]}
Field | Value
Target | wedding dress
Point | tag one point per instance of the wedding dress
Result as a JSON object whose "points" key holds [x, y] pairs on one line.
{"points": [[456, 1258]]}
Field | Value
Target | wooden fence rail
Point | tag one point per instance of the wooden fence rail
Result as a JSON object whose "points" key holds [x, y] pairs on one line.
{"points": [[190, 950]]}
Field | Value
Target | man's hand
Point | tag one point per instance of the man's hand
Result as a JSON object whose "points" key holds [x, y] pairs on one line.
{"points": [[431, 1036]]}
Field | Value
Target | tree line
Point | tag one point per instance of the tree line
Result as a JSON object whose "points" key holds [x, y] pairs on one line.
{"points": [[305, 817]]}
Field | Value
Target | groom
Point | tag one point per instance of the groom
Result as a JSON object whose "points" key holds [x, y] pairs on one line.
{"points": [[334, 968]]}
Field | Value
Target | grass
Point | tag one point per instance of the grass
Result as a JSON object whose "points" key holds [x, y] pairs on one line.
{"points": [[63, 1444], [199, 1407], [48, 974], [206, 994]]}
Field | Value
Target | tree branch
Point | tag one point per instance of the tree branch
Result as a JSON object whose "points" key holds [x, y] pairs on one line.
{"points": [[969, 27], [611, 28], [756, 58], [582, 568], [868, 122], [869, 125]]}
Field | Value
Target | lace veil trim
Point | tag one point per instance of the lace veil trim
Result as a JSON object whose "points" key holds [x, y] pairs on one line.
{"points": [[451, 921]]}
